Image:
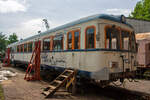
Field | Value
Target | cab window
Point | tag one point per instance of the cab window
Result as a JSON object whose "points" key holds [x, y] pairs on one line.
{"points": [[133, 42], [125, 40], [112, 38]]}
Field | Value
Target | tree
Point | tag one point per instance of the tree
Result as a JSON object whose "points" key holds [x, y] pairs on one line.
{"points": [[142, 10], [12, 38], [3, 42]]}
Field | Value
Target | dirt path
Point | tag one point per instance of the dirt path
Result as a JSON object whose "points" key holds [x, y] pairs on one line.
{"points": [[140, 85], [16, 88]]}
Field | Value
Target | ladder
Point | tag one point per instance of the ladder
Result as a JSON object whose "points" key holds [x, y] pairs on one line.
{"points": [[34, 64], [63, 78], [6, 61]]}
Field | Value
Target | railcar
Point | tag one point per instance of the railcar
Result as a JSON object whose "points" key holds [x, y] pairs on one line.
{"points": [[101, 47]]}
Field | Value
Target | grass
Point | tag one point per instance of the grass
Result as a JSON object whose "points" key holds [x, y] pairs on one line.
{"points": [[1, 93]]}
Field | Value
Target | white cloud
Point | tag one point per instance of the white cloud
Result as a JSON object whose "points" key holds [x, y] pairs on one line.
{"points": [[117, 11], [56, 11], [7, 6], [31, 27]]}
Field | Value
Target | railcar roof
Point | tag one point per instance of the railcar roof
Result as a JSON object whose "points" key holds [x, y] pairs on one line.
{"points": [[115, 18]]}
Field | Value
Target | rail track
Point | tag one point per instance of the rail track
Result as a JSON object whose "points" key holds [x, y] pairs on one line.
{"points": [[125, 94], [118, 93]]}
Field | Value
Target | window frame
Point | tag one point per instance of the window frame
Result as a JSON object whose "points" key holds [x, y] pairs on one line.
{"points": [[88, 27], [105, 32], [123, 29], [120, 29], [49, 37], [73, 38], [132, 34], [78, 30], [28, 44], [18, 48], [26, 47], [53, 42], [21, 48], [68, 39], [15, 49]]}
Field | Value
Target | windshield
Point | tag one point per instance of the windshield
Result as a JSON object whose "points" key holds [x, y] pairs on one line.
{"points": [[112, 38], [128, 40], [119, 39]]}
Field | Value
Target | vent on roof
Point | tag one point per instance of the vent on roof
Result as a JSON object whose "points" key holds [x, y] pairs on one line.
{"points": [[123, 19]]}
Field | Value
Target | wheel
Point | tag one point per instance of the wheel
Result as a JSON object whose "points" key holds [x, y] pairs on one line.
{"points": [[14, 64]]}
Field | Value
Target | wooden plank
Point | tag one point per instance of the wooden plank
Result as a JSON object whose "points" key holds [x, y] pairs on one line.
{"points": [[63, 76], [46, 93], [70, 71], [52, 89], [57, 81]]}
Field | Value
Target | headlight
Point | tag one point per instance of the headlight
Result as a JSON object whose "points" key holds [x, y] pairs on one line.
{"points": [[114, 64]]}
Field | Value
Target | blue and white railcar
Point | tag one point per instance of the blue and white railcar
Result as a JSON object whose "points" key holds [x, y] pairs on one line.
{"points": [[102, 47]]}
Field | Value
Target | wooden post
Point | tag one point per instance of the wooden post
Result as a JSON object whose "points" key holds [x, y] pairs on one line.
{"points": [[74, 88]]}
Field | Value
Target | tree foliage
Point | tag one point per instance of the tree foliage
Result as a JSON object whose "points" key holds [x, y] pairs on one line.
{"points": [[142, 10], [4, 41], [12, 38]]}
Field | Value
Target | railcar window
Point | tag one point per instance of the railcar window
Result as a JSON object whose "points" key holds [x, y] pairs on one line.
{"points": [[125, 40], [90, 38], [112, 38], [18, 48], [25, 47], [76, 40], [15, 49], [69, 44], [46, 44], [133, 42], [30, 47], [21, 47], [12, 49], [58, 43]]}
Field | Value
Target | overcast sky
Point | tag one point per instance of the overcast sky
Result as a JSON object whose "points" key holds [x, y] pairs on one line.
{"points": [[24, 17]]}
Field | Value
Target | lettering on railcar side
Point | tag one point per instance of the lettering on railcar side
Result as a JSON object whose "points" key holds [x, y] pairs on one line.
{"points": [[52, 60]]}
